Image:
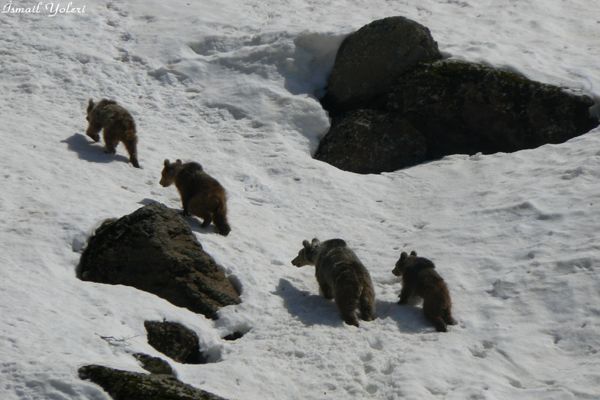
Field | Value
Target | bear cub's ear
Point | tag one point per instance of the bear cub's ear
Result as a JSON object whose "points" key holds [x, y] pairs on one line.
{"points": [[403, 256], [306, 244], [413, 253], [315, 242], [90, 105], [167, 163]]}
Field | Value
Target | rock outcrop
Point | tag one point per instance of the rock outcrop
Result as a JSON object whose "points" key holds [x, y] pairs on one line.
{"points": [[394, 104], [154, 249]]}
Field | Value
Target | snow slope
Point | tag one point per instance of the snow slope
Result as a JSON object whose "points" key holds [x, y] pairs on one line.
{"points": [[230, 84]]}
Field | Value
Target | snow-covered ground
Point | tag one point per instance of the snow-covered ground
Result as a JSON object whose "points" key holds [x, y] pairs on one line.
{"points": [[230, 84]]}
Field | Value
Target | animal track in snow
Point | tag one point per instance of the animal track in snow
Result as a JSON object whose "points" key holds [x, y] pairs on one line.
{"points": [[503, 289], [522, 210], [572, 173], [148, 18], [482, 350], [376, 343], [575, 265], [113, 7], [168, 76]]}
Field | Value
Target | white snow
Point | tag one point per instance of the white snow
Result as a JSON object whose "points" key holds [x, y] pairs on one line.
{"points": [[231, 84]]}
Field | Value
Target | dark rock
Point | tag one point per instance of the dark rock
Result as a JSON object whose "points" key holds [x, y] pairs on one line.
{"points": [[175, 341], [154, 365], [124, 385], [370, 141], [395, 103], [372, 58], [449, 107], [154, 249], [467, 108]]}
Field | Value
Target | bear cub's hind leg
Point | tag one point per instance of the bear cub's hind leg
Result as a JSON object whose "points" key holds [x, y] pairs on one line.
{"points": [[111, 141], [434, 315], [367, 306], [447, 317], [347, 300]]}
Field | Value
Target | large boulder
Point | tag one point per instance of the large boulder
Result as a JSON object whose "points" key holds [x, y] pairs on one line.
{"points": [[394, 103], [175, 340], [372, 58], [124, 385], [466, 108], [154, 249], [370, 141]]}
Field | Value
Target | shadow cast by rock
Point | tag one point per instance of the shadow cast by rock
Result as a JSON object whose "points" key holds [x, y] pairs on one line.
{"points": [[89, 151], [310, 309], [409, 318]]}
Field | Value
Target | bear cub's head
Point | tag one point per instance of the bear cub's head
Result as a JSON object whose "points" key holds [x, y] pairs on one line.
{"points": [[94, 125], [404, 261], [169, 172], [307, 255]]}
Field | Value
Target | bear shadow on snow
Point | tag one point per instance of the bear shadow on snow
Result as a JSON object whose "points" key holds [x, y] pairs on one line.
{"points": [[314, 309], [91, 152], [309, 308], [192, 221], [409, 318]]}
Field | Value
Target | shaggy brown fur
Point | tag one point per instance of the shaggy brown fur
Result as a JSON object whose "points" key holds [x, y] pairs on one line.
{"points": [[420, 278], [340, 275], [118, 127], [201, 194]]}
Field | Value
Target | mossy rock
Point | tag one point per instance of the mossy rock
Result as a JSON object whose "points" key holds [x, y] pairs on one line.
{"points": [[154, 365], [371, 141], [176, 341], [125, 385], [463, 107]]}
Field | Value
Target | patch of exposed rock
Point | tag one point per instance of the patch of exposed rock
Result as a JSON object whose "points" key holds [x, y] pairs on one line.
{"points": [[175, 340]]}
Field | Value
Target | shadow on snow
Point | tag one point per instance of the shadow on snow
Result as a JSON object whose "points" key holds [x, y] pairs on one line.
{"points": [[89, 151]]}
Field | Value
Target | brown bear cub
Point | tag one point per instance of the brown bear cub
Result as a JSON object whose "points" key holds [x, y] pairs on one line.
{"points": [[201, 194], [340, 275], [420, 278], [118, 127]]}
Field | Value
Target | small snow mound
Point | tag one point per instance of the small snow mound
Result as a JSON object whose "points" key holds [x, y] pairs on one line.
{"points": [[233, 320], [168, 76]]}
